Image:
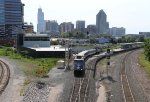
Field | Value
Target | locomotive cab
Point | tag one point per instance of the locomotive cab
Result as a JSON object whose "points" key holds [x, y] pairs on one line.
{"points": [[79, 67]]}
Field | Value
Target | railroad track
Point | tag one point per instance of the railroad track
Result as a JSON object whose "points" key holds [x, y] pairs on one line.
{"points": [[128, 96], [4, 75], [80, 87]]}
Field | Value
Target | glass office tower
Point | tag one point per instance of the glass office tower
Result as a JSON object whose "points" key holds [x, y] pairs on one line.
{"points": [[101, 22], [40, 25], [11, 17]]}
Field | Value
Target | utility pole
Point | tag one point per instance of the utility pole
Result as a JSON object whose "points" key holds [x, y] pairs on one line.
{"points": [[67, 67], [65, 55]]}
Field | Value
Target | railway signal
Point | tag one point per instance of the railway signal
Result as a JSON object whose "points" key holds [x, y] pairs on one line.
{"points": [[108, 54], [108, 59], [108, 51]]}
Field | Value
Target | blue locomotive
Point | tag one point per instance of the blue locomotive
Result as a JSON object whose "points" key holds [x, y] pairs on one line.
{"points": [[79, 61]]}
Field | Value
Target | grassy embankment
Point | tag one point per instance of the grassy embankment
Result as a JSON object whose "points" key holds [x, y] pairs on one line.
{"points": [[144, 63], [32, 67], [102, 66]]}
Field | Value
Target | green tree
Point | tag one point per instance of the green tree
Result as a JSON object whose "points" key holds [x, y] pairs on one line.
{"points": [[92, 41], [70, 34], [123, 39], [79, 35], [130, 39], [104, 35], [141, 39], [147, 48], [65, 34]]}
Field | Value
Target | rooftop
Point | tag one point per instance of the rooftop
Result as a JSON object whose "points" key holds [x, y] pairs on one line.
{"points": [[36, 35], [52, 48]]}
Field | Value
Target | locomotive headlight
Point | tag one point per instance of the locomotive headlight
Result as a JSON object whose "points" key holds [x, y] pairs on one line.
{"points": [[78, 67]]}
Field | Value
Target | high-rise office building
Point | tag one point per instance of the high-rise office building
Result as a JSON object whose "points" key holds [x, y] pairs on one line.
{"points": [[40, 25], [80, 26], [51, 27], [117, 32], [91, 29], [66, 27], [54, 28], [102, 25], [107, 27], [11, 17], [47, 26]]}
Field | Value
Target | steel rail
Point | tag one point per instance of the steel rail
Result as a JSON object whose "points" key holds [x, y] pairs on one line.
{"points": [[128, 96], [2, 72], [5, 76], [76, 89], [80, 89], [84, 88]]}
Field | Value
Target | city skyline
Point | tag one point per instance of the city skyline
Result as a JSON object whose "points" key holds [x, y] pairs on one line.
{"points": [[133, 15]]}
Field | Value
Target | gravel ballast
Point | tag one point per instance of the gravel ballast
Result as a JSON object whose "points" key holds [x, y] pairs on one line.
{"points": [[12, 91]]}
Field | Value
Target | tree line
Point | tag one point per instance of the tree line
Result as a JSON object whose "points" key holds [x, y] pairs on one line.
{"points": [[81, 35]]}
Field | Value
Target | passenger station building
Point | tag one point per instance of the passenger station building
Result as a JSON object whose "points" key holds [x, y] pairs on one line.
{"points": [[39, 45], [36, 40]]}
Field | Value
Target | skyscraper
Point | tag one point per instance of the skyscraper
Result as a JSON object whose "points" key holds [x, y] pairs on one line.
{"points": [[51, 27], [101, 22], [11, 17], [117, 32], [91, 29], [47, 26], [80, 26], [54, 28], [40, 25], [66, 27]]}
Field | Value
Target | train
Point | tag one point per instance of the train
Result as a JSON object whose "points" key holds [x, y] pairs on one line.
{"points": [[128, 46], [135, 45], [80, 59]]}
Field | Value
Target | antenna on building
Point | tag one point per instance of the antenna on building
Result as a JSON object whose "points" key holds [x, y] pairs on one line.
{"points": [[40, 6]]}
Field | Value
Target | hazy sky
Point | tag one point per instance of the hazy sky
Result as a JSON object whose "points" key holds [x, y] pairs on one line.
{"points": [[134, 15]]}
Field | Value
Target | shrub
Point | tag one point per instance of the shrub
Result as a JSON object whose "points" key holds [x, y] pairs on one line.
{"points": [[147, 48], [40, 71]]}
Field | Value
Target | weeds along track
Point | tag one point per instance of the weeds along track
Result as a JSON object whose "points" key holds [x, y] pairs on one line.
{"points": [[128, 96], [80, 87], [4, 75]]}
